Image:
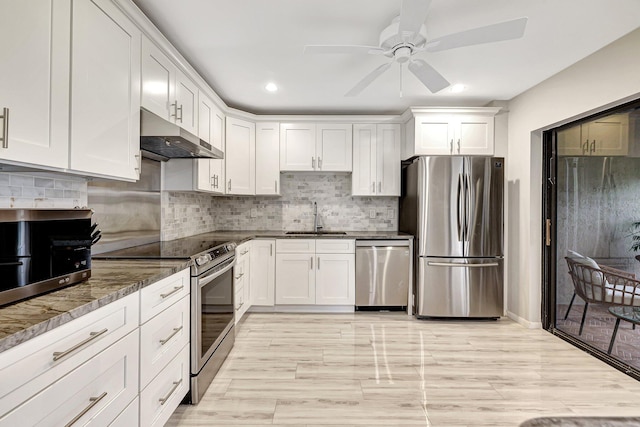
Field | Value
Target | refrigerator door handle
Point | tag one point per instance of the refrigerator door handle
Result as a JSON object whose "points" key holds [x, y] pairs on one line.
{"points": [[467, 206], [457, 264], [458, 208]]}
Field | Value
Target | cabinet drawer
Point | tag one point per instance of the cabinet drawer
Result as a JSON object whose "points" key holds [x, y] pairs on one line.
{"points": [[157, 297], [161, 338], [243, 249], [335, 246], [30, 367], [296, 246], [128, 417], [164, 394], [97, 391]]}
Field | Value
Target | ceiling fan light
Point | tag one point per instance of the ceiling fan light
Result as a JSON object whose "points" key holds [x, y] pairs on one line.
{"points": [[271, 87], [457, 88]]}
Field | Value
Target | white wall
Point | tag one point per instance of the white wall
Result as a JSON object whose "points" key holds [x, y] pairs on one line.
{"points": [[606, 78]]}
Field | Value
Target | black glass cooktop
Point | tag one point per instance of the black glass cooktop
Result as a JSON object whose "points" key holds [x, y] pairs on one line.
{"points": [[174, 249]]}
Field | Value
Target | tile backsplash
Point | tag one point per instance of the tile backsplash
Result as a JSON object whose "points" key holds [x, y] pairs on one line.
{"points": [[293, 210], [186, 214], [41, 190]]}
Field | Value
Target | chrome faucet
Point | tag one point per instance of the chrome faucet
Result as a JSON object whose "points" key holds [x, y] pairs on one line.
{"points": [[317, 226]]}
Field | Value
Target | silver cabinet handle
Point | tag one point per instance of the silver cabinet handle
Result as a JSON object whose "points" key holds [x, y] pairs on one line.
{"points": [[458, 145], [239, 275], [244, 252], [311, 264], [57, 355], [229, 184], [379, 186], [451, 145], [175, 289], [457, 264], [173, 334], [179, 109], [138, 162], [319, 162], [585, 146], [593, 147], [318, 263], [175, 110], [93, 401], [313, 163], [276, 185], [164, 399], [270, 249], [5, 128], [373, 187]]}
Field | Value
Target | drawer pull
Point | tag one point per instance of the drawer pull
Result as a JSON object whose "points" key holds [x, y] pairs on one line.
{"points": [[168, 294], [57, 355], [239, 276], [93, 401], [173, 334], [164, 399], [244, 252]]}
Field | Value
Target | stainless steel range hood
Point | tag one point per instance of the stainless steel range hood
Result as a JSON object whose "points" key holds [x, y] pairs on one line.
{"points": [[163, 140]]}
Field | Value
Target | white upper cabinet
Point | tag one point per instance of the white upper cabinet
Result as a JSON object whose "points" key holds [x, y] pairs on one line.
{"points": [[166, 91], [376, 160], [334, 147], [240, 157], [452, 131], [267, 158], [315, 147], [105, 91], [606, 136], [297, 146], [34, 41]]}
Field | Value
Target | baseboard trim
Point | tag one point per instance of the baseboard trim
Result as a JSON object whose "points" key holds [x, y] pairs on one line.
{"points": [[524, 322]]}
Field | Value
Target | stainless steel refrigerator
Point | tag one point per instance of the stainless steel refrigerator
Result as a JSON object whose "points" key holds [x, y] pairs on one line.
{"points": [[454, 208]]}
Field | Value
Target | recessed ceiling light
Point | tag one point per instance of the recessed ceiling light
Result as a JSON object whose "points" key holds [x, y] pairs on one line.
{"points": [[271, 87], [457, 88]]}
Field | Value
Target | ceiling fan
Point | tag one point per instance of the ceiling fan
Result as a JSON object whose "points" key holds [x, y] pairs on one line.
{"points": [[407, 36]]}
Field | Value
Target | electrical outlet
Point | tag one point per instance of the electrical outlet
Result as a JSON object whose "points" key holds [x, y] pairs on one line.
{"points": [[372, 213], [254, 212], [391, 213]]}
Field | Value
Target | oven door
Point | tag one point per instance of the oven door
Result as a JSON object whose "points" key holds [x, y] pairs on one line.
{"points": [[211, 311]]}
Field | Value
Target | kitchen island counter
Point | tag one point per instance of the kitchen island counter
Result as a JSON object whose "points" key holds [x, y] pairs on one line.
{"points": [[110, 280]]}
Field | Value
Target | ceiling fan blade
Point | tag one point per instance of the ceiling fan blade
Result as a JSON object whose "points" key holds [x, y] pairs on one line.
{"points": [[347, 49], [368, 79], [412, 15], [509, 30], [428, 75]]}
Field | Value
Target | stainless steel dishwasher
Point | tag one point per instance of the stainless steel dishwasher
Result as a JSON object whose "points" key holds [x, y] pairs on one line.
{"points": [[383, 273]]}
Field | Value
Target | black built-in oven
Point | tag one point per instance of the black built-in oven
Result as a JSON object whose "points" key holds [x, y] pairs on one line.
{"points": [[42, 250]]}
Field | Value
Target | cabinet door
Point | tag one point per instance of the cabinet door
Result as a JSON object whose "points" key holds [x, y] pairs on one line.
{"points": [[608, 136], [334, 147], [364, 160], [297, 147], [34, 41], [240, 160], [204, 179], [295, 279], [474, 135], [187, 103], [216, 166], [263, 267], [158, 78], [267, 158], [434, 134], [205, 118], [335, 279], [388, 138], [105, 91], [570, 142]]}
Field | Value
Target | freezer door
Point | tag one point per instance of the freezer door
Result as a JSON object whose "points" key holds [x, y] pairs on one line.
{"points": [[483, 200], [382, 276], [460, 287], [440, 206]]}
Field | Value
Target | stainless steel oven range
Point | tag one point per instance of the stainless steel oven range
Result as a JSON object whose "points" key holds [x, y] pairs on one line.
{"points": [[212, 305]]}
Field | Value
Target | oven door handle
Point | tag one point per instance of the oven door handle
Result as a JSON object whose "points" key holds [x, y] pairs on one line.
{"points": [[209, 278]]}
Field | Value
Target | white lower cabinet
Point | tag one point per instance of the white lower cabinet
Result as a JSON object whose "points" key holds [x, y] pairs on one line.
{"points": [[241, 280], [96, 392], [163, 395], [263, 272], [315, 272], [129, 417]]}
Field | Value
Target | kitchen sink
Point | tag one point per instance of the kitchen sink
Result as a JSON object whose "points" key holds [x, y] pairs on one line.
{"points": [[317, 233]]}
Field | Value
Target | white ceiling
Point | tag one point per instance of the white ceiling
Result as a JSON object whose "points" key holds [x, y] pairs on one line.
{"points": [[238, 46]]}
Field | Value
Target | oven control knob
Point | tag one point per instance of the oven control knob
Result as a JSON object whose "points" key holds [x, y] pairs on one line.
{"points": [[203, 259]]}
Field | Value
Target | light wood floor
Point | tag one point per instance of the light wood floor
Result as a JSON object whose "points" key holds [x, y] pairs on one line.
{"points": [[390, 369]]}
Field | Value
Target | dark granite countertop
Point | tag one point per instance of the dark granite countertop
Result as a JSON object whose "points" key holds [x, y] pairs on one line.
{"points": [[243, 236], [110, 280]]}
